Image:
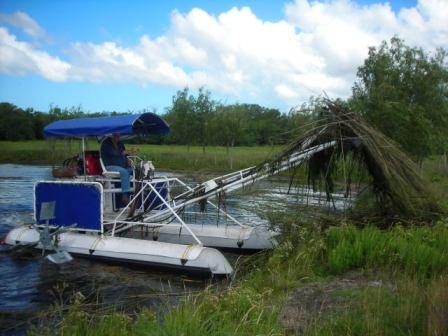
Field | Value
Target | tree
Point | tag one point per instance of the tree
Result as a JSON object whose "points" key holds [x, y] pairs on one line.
{"points": [[15, 123], [265, 126], [180, 116], [403, 92], [226, 128], [189, 117], [204, 108]]}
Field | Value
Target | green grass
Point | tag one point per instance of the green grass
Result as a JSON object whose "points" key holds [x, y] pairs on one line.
{"points": [[414, 259], [312, 249], [165, 157], [237, 311], [214, 159], [409, 309], [420, 251]]}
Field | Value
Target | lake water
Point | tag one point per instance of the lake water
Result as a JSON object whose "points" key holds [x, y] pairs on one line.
{"points": [[31, 284]]}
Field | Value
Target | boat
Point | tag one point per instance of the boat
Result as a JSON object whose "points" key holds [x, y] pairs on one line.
{"points": [[167, 224]]}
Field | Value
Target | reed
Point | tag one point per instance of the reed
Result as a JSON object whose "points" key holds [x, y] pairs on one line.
{"points": [[236, 311], [416, 251], [358, 147]]}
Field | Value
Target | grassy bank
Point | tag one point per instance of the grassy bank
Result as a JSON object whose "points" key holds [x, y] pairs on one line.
{"points": [[408, 266], [410, 263], [164, 157]]}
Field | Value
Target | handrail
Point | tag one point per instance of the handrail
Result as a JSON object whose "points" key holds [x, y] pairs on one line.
{"points": [[175, 215], [215, 206], [198, 193], [133, 223]]}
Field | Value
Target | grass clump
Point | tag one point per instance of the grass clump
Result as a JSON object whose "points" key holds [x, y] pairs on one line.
{"points": [[416, 251], [236, 311], [409, 309], [80, 322], [240, 310]]}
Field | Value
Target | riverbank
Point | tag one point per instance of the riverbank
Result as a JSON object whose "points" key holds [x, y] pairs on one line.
{"points": [[326, 277], [343, 280], [165, 157]]}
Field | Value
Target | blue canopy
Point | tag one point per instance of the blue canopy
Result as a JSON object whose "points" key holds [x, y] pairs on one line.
{"points": [[146, 124]]}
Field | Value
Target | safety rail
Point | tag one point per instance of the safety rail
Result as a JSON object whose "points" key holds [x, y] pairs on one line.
{"points": [[247, 176], [154, 207], [145, 187]]}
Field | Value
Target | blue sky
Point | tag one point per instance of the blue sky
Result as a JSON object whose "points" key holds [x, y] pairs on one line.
{"points": [[127, 56]]}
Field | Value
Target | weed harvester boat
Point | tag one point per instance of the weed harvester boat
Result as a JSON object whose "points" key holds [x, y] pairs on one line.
{"points": [[166, 224]]}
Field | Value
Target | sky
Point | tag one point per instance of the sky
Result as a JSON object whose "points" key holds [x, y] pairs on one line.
{"points": [[133, 55]]}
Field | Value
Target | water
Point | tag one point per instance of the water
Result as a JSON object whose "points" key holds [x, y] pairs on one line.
{"points": [[30, 285]]}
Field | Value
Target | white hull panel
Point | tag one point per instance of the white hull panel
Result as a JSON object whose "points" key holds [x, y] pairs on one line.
{"points": [[225, 237], [192, 258]]}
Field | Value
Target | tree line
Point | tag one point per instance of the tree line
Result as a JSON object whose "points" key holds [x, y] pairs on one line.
{"points": [[18, 124], [200, 120], [194, 120], [400, 90]]}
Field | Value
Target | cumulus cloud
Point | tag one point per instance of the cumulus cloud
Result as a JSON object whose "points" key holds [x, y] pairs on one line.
{"points": [[21, 58], [23, 21], [317, 47], [341, 31]]}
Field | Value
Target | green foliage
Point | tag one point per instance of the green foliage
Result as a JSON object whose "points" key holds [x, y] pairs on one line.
{"points": [[216, 158], [202, 121], [403, 92], [307, 253], [296, 260], [179, 116], [195, 120], [79, 322], [17, 124], [416, 305], [228, 126], [236, 311], [421, 251]]}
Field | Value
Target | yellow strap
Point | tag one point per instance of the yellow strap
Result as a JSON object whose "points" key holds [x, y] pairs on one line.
{"points": [[187, 250], [95, 243]]}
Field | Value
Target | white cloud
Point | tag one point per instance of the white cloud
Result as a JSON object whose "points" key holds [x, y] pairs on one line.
{"points": [[23, 21], [316, 48], [342, 31], [21, 58]]}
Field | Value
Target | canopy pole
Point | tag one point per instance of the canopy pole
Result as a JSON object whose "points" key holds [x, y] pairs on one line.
{"points": [[84, 157]]}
